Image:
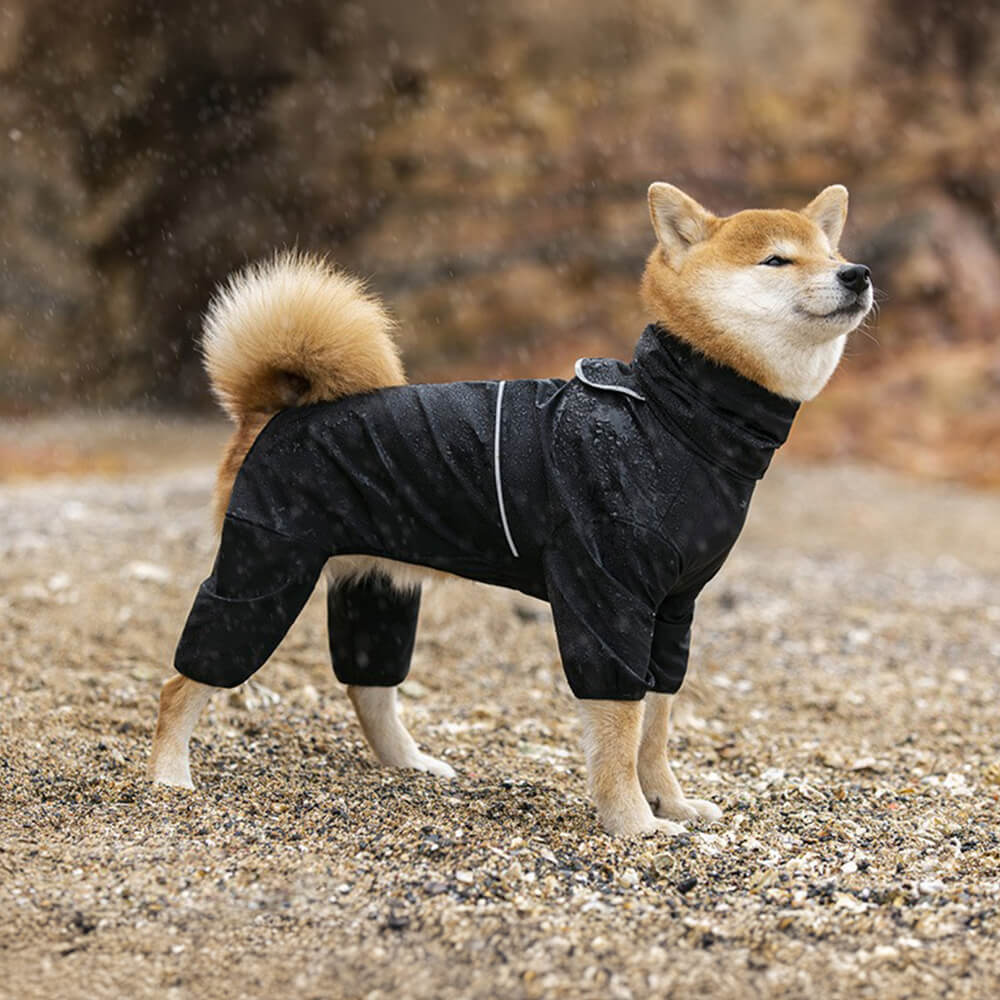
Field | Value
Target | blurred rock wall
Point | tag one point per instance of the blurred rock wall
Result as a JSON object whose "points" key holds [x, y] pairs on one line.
{"points": [[485, 164]]}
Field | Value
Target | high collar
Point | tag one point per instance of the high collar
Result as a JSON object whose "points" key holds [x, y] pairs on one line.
{"points": [[736, 422]]}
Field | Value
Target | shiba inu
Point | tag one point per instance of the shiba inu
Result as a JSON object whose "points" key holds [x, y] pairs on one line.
{"points": [[615, 495]]}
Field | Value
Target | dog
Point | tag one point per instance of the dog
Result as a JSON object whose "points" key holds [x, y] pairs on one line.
{"points": [[616, 494]]}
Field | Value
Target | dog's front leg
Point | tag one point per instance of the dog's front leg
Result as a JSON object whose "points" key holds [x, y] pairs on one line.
{"points": [[378, 713], [181, 702], [659, 784], [611, 736]]}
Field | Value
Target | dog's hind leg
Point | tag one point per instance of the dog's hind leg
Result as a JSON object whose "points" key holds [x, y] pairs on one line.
{"points": [[181, 702], [659, 784], [611, 735], [372, 623], [378, 713]]}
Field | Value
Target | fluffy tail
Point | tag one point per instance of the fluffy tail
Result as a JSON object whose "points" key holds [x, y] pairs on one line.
{"points": [[286, 332], [293, 330]]}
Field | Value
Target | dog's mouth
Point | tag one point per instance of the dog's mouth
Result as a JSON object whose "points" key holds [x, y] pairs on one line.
{"points": [[859, 305]]}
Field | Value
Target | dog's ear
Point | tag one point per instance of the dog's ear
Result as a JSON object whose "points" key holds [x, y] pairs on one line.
{"points": [[829, 211], [679, 221]]}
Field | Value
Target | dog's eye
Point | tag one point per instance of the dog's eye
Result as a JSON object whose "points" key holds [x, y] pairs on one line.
{"points": [[775, 261]]}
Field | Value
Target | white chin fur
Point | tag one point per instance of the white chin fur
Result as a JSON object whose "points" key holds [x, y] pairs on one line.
{"points": [[789, 334]]}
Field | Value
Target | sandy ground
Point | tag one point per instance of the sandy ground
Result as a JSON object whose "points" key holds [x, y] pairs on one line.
{"points": [[844, 716]]}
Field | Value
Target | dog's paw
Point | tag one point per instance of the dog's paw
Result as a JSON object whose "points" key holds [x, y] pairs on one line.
{"points": [[708, 811], [665, 826], [168, 766], [686, 809], [644, 827], [171, 779], [431, 765], [636, 820]]}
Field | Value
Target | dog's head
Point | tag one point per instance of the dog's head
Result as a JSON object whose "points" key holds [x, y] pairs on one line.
{"points": [[765, 292]]}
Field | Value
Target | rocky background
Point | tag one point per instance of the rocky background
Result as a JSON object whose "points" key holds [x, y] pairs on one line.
{"points": [[486, 165]]}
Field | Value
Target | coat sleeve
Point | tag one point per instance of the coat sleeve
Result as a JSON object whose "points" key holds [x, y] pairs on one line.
{"points": [[672, 631], [259, 584], [604, 586], [671, 642]]}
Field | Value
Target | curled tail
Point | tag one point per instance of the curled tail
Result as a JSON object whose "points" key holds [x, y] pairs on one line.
{"points": [[293, 330], [286, 332]]}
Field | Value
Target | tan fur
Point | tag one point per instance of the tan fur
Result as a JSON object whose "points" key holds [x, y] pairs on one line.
{"points": [[377, 709], [664, 295], [774, 333], [611, 735], [659, 784], [181, 703], [247, 429], [293, 330]]}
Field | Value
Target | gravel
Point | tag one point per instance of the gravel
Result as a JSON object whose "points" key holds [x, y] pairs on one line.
{"points": [[842, 712]]}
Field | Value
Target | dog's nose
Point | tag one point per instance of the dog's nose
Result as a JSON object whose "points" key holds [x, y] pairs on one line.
{"points": [[856, 277]]}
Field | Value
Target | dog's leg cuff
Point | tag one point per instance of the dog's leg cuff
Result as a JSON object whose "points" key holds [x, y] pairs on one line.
{"points": [[259, 584], [372, 627]]}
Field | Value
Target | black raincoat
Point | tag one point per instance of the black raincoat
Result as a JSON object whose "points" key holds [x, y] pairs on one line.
{"points": [[615, 495]]}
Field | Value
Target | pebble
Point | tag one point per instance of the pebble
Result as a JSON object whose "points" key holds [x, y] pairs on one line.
{"points": [[147, 572], [629, 878], [930, 886]]}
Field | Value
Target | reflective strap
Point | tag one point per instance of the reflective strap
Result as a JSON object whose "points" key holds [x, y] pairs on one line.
{"points": [[496, 472], [578, 371]]}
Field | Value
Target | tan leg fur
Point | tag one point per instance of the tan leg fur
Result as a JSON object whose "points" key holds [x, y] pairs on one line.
{"points": [[181, 702], [659, 784], [378, 713], [611, 736], [239, 444]]}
